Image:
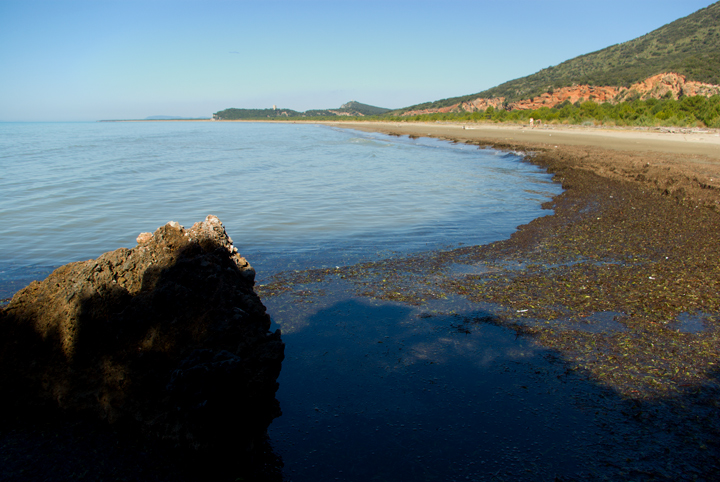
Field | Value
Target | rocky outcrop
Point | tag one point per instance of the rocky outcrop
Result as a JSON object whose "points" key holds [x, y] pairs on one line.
{"points": [[654, 87], [481, 104], [167, 339], [658, 86], [578, 93], [450, 108], [347, 114]]}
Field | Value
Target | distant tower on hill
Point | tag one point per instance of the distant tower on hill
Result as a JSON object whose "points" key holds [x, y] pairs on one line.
{"points": [[274, 107]]}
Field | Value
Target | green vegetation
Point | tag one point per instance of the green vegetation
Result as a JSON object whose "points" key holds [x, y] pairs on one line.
{"points": [[697, 111], [352, 108], [688, 111], [238, 114], [689, 46], [356, 108]]}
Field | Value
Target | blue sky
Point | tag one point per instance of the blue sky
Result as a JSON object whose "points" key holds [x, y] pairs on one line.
{"points": [[103, 59]]}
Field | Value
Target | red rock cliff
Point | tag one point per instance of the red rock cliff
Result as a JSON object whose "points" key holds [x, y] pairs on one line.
{"points": [[655, 87]]}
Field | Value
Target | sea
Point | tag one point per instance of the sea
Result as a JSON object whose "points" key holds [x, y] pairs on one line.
{"points": [[369, 389], [292, 196]]}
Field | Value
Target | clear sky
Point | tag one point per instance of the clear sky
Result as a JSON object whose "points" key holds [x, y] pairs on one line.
{"points": [[126, 59]]}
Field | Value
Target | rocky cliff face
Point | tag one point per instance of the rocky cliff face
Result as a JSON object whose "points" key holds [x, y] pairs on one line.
{"points": [[167, 339], [481, 104], [572, 94], [659, 85], [654, 87], [452, 108]]}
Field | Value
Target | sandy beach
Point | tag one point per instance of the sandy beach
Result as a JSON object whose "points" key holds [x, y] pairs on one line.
{"points": [[676, 140]]}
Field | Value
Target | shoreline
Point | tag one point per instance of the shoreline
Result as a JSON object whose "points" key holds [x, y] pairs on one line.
{"points": [[624, 217], [621, 283], [633, 235], [679, 164], [705, 142], [679, 140]]}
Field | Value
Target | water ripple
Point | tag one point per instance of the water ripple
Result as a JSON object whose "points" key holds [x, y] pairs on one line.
{"points": [[71, 191]]}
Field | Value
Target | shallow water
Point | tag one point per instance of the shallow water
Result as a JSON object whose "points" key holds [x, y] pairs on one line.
{"points": [[291, 196], [375, 390], [690, 322], [381, 390]]}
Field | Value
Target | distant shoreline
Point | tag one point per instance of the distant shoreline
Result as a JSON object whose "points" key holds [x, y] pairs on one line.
{"points": [[703, 142], [668, 140], [155, 120]]}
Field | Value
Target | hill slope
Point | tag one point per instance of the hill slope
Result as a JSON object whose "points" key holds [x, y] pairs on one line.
{"points": [[689, 46], [356, 108]]}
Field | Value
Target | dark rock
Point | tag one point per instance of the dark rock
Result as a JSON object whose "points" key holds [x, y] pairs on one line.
{"points": [[167, 339]]}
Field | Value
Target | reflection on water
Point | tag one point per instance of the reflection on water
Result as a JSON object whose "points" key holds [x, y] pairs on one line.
{"points": [[376, 390], [690, 322]]}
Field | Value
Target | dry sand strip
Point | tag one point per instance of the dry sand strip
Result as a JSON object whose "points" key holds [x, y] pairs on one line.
{"points": [[699, 142]]}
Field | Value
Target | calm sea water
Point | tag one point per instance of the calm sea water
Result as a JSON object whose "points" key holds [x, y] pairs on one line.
{"points": [[291, 195]]}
